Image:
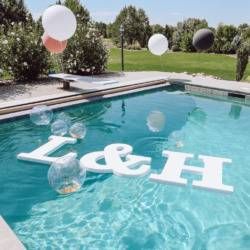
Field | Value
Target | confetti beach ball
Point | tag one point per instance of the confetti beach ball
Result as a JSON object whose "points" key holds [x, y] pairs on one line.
{"points": [[41, 115], [66, 176]]}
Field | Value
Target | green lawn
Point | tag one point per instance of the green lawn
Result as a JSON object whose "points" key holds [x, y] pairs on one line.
{"points": [[217, 65]]}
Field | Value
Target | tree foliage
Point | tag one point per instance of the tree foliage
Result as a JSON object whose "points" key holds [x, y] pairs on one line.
{"points": [[157, 28], [224, 37], [183, 36], [85, 53], [22, 55], [81, 13], [169, 30], [101, 28], [136, 25], [242, 45], [13, 11]]}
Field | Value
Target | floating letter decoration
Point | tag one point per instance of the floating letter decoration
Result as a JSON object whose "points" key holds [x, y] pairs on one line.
{"points": [[132, 166], [211, 172], [118, 159], [41, 155]]}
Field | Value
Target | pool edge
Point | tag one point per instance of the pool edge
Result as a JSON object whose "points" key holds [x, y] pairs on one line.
{"points": [[8, 239]]}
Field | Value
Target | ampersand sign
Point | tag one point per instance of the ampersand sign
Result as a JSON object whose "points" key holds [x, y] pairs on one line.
{"points": [[119, 161]]}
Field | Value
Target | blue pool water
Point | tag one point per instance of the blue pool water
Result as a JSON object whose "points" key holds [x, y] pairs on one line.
{"points": [[112, 212]]}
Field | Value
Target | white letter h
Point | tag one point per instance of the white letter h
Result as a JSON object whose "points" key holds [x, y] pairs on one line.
{"points": [[212, 172]]}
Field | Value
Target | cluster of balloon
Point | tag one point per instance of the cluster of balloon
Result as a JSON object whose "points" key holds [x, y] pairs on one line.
{"points": [[203, 39], [59, 24], [158, 44], [66, 176], [41, 115], [156, 121]]}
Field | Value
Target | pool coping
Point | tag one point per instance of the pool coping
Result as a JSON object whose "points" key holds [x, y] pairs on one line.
{"points": [[196, 85], [8, 239], [58, 102]]}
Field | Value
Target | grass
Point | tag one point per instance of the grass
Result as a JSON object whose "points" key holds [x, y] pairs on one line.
{"points": [[222, 66]]}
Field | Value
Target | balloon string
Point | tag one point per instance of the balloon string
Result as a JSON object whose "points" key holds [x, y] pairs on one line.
{"points": [[60, 57], [161, 63]]}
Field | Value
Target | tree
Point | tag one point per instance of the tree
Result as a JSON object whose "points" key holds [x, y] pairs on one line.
{"points": [[136, 25], [224, 37], [81, 13], [109, 30], [157, 28], [169, 31], [13, 11], [85, 53], [101, 28], [183, 36]]}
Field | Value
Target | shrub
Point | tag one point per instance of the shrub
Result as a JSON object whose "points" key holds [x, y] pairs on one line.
{"points": [[86, 53], [225, 35], [13, 11], [23, 55]]}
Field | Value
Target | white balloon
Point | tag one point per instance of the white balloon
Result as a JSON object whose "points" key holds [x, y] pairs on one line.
{"points": [[158, 44], [59, 22], [156, 121]]}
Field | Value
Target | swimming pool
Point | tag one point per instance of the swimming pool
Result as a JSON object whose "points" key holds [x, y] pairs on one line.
{"points": [[112, 212]]}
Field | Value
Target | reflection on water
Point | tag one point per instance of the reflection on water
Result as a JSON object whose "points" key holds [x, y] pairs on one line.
{"points": [[235, 111]]}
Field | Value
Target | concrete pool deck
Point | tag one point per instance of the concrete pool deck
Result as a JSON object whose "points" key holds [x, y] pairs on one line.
{"points": [[8, 240], [17, 98]]}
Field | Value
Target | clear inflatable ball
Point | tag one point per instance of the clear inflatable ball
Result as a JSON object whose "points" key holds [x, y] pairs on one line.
{"points": [[156, 121], [59, 128], [64, 117], [78, 130], [41, 115], [66, 176]]}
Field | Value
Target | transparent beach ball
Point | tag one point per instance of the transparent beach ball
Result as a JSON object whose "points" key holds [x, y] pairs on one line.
{"points": [[64, 117], [41, 115], [59, 128], [78, 130], [66, 176], [156, 121]]}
